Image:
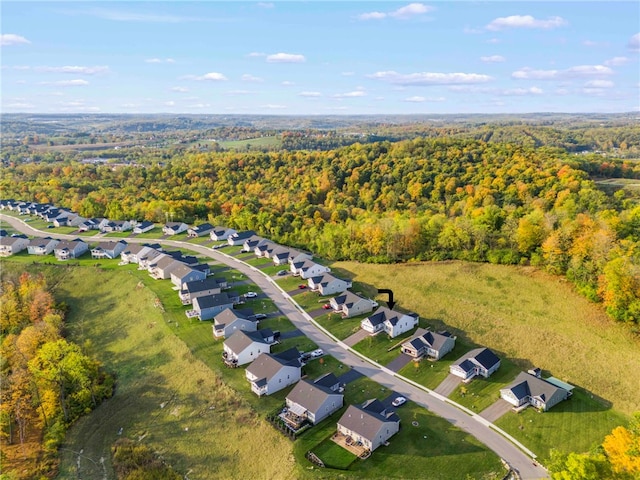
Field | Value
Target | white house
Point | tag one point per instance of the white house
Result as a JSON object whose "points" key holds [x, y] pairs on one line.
{"points": [[42, 246], [370, 424], [327, 284], [108, 249], [244, 347], [67, 249], [307, 269], [348, 304], [389, 321], [480, 361], [230, 320], [313, 400], [542, 394], [205, 308], [174, 228], [434, 345], [238, 238], [11, 245], [142, 227], [221, 233], [270, 373], [200, 230], [186, 273]]}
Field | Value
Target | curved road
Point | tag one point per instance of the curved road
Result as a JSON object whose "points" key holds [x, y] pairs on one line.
{"points": [[471, 423]]}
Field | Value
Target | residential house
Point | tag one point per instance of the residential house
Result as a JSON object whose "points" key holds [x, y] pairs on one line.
{"points": [[41, 246], [296, 256], [244, 347], [313, 400], [115, 226], [135, 251], [270, 373], [265, 249], [205, 308], [221, 233], [68, 219], [200, 230], [542, 394], [186, 273], [68, 249], [280, 255], [370, 424], [108, 249], [327, 284], [480, 361], [142, 227], [238, 238], [229, 321], [151, 258], [174, 228], [308, 268], [163, 267], [91, 224], [349, 304], [389, 321], [252, 242], [11, 245], [429, 344], [200, 288]]}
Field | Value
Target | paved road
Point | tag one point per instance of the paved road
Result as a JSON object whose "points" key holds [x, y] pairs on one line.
{"points": [[472, 424]]}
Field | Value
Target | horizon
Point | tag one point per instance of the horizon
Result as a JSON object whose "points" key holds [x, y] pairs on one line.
{"points": [[320, 58]]}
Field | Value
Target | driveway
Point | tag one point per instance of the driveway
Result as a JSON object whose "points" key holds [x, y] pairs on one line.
{"points": [[355, 338], [448, 385], [400, 361], [350, 376], [290, 334], [472, 424], [317, 312], [494, 411]]}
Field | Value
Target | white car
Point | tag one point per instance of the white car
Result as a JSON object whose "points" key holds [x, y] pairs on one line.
{"points": [[398, 401], [317, 353], [250, 295]]}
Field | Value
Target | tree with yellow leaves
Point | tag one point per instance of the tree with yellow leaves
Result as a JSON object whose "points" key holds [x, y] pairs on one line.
{"points": [[622, 447]]}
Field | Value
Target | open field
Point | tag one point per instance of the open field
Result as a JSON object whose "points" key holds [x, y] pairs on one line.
{"points": [[251, 143], [521, 313]]}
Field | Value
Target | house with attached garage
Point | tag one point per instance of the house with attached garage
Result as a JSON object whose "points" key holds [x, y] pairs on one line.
{"points": [[433, 345], [313, 400], [201, 288], [42, 246], [370, 424], [108, 249], [143, 227], [201, 230], [11, 245], [187, 273], [540, 393], [480, 361], [252, 242], [116, 226], [163, 268], [264, 249], [389, 321], [296, 256], [307, 269], [174, 228], [244, 347], [205, 308], [327, 284], [348, 304], [280, 255], [150, 258], [68, 249], [230, 320], [238, 238], [135, 251], [270, 373], [221, 233]]}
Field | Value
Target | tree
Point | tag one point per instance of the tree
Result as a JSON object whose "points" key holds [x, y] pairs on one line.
{"points": [[622, 447], [578, 466]]}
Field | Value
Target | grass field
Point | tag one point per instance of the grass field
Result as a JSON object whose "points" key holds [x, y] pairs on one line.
{"points": [[340, 327], [532, 318], [251, 143], [431, 374]]}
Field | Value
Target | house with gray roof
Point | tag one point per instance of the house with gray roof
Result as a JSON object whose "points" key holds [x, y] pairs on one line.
{"points": [[221, 233], [10, 245], [252, 242], [307, 269], [313, 400], [207, 307], [480, 361], [370, 424], [434, 345], [42, 246], [116, 226], [238, 238], [163, 267], [389, 321], [244, 347], [68, 249], [174, 228], [142, 227], [528, 389], [230, 320], [200, 230], [270, 373], [327, 284], [200, 288], [108, 249], [348, 304], [188, 273], [265, 249]]}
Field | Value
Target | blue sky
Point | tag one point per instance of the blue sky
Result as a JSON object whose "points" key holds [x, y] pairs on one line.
{"points": [[320, 57]]}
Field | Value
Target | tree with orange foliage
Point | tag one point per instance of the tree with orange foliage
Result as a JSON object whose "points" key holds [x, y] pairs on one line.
{"points": [[622, 447]]}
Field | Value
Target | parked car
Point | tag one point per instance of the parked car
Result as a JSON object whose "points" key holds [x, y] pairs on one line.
{"points": [[250, 295], [302, 286], [398, 401], [260, 316], [317, 353], [281, 273], [326, 306]]}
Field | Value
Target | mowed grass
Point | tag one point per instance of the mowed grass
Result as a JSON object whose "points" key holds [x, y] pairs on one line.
{"points": [[166, 397], [340, 327], [523, 314], [430, 373]]}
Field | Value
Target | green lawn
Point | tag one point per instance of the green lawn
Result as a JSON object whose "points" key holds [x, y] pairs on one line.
{"points": [[340, 327], [575, 425], [377, 347], [430, 373], [283, 324], [290, 282]]}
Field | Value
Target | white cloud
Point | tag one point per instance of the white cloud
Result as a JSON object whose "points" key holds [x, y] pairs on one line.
{"points": [[179, 89], [521, 91], [634, 43], [256, 54], [74, 69], [309, 94], [525, 21], [287, 83], [250, 78], [8, 39], [493, 59], [355, 93], [617, 61], [272, 106], [430, 78], [594, 92], [418, 99], [528, 73], [599, 84], [402, 13], [160, 60], [67, 83], [211, 76], [285, 58]]}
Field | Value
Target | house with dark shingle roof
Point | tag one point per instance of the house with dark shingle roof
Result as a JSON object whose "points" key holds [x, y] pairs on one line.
{"points": [[369, 424], [145, 226], [108, 249], [327, 284], [307, 269], [67, 249], [270, 373], [200, 288], [207, 307], [389, 321], [238, 238], [173, 228], [348, 304], [313, 400], [429, 344], [188, 273], [200, 230], [230, 320], [528, 389], [480, 361], [221, 233], [244, 347]]}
